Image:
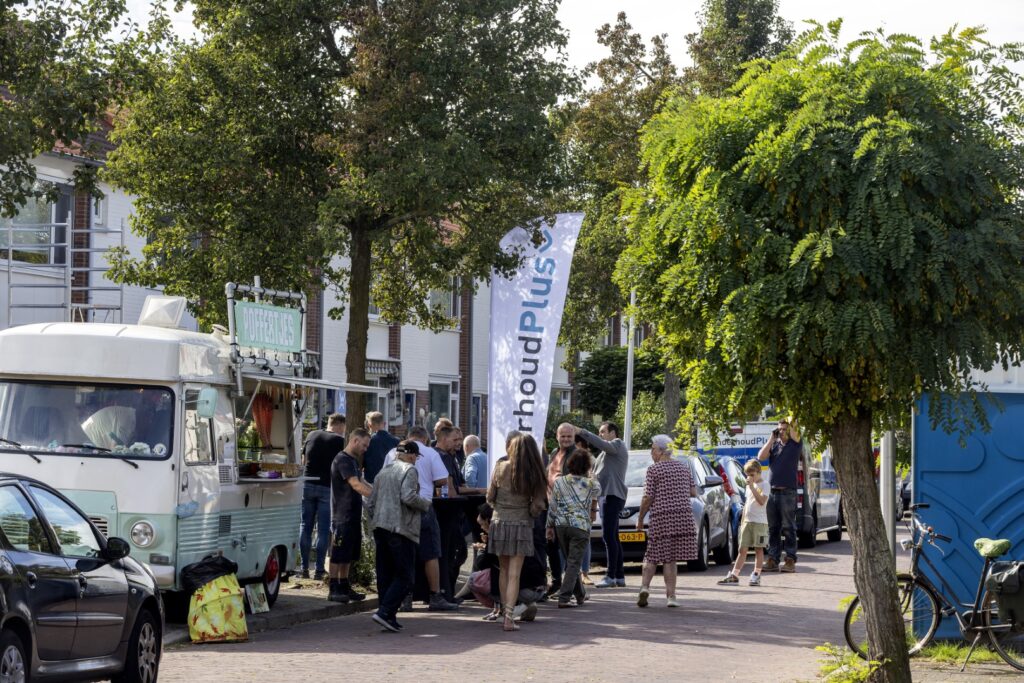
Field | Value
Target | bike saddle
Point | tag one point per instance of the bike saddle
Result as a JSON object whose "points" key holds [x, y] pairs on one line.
{"points": [[992, 549]]}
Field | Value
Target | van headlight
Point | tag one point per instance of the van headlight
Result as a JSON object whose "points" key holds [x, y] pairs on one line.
{"points": [[143, 534]]}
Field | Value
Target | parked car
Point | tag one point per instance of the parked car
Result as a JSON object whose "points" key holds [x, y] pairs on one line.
{"points": [[711, 511], [906, 491], [74, 604], [735, 482]]}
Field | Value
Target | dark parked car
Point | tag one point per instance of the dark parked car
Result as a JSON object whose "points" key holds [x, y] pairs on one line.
{"points": [[711, 511], [74, 606]]}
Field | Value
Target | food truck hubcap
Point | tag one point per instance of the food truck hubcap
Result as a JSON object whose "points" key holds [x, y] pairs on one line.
{"points": [[272, 574]]}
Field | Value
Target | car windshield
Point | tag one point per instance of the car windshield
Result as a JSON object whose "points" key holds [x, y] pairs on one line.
{"points": [[636, 469], [87, 419]]}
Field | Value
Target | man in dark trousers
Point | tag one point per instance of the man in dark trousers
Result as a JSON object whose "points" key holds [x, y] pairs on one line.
{"points": [[783, 452], [347, 491], [555, 465], [381, 442], [610, 471], [318, 453]]}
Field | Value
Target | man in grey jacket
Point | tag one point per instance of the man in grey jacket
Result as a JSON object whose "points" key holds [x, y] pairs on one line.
{"points": [[610, 470], [395, 507]]}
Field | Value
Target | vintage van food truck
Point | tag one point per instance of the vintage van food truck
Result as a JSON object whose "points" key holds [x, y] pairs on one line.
{"points": [[137, 425]]}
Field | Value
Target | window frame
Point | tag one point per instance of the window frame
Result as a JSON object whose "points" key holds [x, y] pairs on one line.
{"points": [[100, 545], [34, 506], [211, 433]]}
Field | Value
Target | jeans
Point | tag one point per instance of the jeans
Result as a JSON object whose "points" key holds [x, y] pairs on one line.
{"points": [[316, 509], [610, 530], [396, 570], [573, 543], [782, 522], [555, 562]]}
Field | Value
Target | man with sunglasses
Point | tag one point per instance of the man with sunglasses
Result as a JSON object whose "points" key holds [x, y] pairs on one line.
{"points": [[783, 452]]}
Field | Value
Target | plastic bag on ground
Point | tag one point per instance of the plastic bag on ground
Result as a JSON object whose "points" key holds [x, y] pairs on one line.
{"points": [[216, 612], [200, 573]]}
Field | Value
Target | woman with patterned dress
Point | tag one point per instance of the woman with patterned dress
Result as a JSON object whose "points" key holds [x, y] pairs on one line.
{"points": [[671, 532], [518, 493]]}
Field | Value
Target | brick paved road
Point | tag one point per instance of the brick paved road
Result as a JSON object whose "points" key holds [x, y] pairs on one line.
{"points": [[720, 634]]}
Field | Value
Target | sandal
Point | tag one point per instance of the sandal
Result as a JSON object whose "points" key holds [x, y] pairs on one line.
{"points": [[493, 616], [510, 624]]}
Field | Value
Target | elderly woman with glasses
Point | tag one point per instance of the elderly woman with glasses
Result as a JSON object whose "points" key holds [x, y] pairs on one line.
{"points": [[671, 533]]}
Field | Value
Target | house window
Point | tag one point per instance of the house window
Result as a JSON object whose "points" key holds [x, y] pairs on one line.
{"points": [[454, 408], [565, 400], [409, 406], [440, 402], [609, 332], [374, 310], [99, 212], [33, 231], [382, 400], [476, 415], [447, 302]]}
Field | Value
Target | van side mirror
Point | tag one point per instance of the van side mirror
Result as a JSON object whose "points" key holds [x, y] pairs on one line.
{"points": [[206, 405], [117, 549]]}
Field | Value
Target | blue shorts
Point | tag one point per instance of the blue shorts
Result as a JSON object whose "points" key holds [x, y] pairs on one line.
{"points": [[430, 536]]}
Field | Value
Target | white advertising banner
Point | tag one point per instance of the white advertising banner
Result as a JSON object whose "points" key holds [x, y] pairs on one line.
{"points": [[526, 316]]}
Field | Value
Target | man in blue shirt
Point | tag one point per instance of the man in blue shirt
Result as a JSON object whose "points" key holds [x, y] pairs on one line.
{"points": [[475, 469], [783, 453], [381, 444]]}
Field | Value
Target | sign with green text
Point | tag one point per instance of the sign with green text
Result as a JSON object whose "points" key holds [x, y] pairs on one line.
{"points": [[264, 326]]}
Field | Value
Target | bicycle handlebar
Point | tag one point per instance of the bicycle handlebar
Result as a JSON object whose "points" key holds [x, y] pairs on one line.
{"points": [[930, 531], [943, 537]]}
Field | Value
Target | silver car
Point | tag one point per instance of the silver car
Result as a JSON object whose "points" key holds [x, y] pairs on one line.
{"points": [[711, 511]]}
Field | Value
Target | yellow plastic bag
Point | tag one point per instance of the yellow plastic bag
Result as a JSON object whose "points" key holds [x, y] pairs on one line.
{"points": [[216, 613]]}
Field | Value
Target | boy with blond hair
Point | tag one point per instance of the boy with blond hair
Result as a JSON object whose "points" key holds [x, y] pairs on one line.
{"points": [[754, 530]]}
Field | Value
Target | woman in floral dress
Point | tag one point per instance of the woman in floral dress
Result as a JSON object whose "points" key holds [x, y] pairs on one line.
{"points": [[671, 533]]}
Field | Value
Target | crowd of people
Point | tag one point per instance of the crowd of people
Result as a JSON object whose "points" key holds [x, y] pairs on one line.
{"points": [[531, 518]]}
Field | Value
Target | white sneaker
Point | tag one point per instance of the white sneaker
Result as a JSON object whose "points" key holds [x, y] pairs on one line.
{"points": [[518, 610], [755, 579], [641, 598], [671, 602]]}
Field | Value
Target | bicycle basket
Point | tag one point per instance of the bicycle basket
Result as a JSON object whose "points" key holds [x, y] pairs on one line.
{"points": [[1006, 582]]}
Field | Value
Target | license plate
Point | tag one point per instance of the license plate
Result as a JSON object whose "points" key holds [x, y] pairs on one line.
{"points": [[632, 536]]}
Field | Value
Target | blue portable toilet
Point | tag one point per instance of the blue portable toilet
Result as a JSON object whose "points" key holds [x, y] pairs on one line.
{"points": [[975, 490]]}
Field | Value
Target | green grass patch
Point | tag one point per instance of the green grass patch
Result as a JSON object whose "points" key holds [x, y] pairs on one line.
{"points": [[840, 665], [955, 652]]}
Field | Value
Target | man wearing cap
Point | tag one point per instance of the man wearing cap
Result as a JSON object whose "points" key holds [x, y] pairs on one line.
{"points": [[395, 509]]}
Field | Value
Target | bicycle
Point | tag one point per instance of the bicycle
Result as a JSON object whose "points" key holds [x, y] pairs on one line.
{"points": [[923, 604]]}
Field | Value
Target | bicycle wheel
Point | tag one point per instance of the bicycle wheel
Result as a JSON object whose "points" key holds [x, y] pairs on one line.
{"points": [[920, 610], [1007, 638]]}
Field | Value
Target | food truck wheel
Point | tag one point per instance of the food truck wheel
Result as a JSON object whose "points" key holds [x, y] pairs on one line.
{"points": [[272, 575]]}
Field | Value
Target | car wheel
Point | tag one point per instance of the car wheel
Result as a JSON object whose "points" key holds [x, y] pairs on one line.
{"points": [[13, 664], [836, 535], [810, 538], [726, 554], [272, 576], [144, 648], [702, 561]]}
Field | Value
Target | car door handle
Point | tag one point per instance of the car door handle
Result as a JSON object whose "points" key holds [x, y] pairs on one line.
{"points": [[82, 582], [32, 579]]}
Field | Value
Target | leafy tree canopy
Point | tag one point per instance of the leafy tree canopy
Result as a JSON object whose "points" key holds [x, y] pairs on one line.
{"points": [[842, 232], [62, 64], [601, 378]]}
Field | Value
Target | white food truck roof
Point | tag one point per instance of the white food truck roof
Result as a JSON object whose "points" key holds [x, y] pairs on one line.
{"points": [[110, 351]]}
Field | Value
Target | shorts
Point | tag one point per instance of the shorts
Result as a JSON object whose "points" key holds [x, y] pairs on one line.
{"points": [[347, 543], [753, 535], [430, 536]]}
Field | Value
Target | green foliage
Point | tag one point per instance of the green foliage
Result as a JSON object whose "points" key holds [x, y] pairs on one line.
{"points": [[648, 418], [841, 665], [840, 233], [364, 571], [733, 32], [955, 652], [367, 132], [62, 65], [601, 378]]}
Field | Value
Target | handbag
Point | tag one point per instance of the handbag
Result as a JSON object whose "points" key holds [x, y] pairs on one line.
{"points": [[480, 584]]}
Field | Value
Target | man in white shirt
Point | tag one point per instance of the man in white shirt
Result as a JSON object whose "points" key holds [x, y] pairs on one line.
{"points": [[432, 472]]}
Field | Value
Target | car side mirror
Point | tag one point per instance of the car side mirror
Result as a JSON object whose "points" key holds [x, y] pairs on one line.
{"points": [[713, 480], [117, 549]]}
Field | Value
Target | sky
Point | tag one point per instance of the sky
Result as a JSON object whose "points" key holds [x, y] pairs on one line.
{"points": [[923, 18]]}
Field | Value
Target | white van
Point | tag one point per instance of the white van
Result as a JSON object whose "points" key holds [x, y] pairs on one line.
{"points": [[137, 425]]}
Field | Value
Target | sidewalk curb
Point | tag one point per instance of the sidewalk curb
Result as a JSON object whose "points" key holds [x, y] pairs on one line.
{"points": [[257, 623]]}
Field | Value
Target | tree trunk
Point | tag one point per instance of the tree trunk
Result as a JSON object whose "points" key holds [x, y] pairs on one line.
{"points": [[358, 322], [672, 402], [874, 569]]}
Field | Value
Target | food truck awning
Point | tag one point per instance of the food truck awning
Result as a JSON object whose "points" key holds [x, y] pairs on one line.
{"points": [[314, 383]]}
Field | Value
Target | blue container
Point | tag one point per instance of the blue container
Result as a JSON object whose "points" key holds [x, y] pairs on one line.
{"points": [[975, 490]]}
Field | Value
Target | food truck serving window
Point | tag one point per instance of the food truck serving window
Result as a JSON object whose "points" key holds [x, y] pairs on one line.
{"points": [[86, 419]]}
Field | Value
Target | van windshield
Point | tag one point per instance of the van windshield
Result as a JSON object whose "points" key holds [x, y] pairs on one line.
{"points": [[89, 419]]}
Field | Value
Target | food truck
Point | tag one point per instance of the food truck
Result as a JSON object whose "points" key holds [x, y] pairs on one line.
{"points": [[140, 424]]}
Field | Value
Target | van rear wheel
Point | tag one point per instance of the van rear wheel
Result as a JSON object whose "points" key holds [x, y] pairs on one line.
{"points": [[272, 575]]}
